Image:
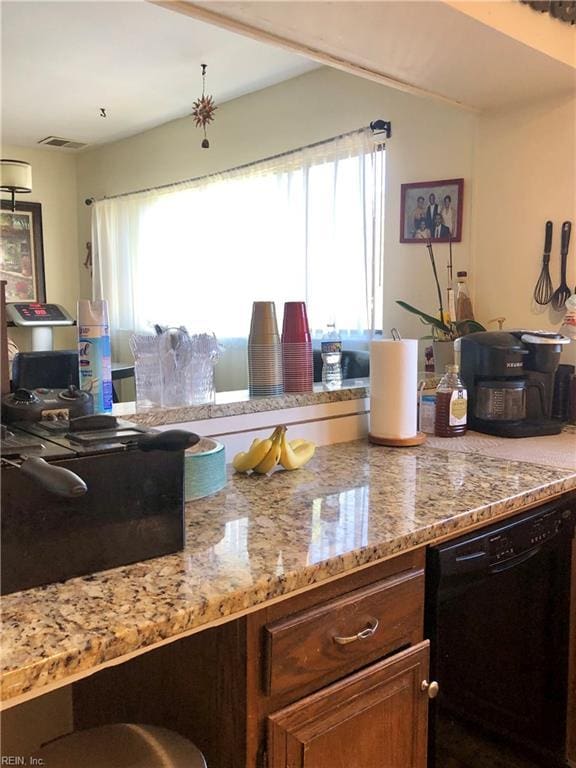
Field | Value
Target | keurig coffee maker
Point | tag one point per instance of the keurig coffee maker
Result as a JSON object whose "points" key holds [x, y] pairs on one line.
{"points": [[510, 381]]}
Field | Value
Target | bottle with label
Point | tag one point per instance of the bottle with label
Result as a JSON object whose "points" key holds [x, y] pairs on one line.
{"points": [[331, 349], [451, 405], [94, 352], [464, 309]]}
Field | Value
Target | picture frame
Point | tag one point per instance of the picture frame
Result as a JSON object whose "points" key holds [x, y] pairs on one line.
{"points": [[22, 252], [418, 220]]}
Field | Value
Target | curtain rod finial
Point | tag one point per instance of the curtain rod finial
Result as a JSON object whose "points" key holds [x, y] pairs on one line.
{"points": [[381, 126]]}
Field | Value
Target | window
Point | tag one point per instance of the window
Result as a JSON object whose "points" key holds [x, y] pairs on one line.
{"points": [[303, 226]]}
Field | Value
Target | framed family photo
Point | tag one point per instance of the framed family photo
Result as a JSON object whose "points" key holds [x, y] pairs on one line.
{"points": [[22, 252], [431, 210]]}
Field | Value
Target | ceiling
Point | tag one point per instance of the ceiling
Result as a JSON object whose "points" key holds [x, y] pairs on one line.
{"points": [[63, 61], [434, 46]]}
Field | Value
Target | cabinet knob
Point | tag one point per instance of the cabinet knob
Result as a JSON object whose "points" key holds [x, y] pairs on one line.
{"points": [[432, 689], [362, 635]]}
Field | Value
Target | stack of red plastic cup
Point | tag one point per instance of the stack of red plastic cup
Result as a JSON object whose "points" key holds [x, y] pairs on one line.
{"points": [[297, 358], [264, 352]]}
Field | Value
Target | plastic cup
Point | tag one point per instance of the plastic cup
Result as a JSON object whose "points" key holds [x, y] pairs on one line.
{"points": [[295, 326], [263, 326]]}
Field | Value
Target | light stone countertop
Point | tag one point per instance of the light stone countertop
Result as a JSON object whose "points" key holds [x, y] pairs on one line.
{"points": [[260, 538], [240, 403]]}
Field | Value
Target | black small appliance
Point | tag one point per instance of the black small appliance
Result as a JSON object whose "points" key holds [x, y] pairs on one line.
{"points": [[53, 370], [510, 381], [46, 404], [87, 495]]}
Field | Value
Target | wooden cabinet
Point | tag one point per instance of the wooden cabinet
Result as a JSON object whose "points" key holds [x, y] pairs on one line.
{"points": [[325, 642], [376, 717], [277, 688], [336, 673]]}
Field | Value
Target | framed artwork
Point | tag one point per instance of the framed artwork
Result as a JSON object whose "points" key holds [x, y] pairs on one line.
{"points": [[22, 252], [431, 210]]}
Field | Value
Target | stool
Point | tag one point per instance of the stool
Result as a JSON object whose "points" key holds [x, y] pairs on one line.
{"points": [[121, 746]]}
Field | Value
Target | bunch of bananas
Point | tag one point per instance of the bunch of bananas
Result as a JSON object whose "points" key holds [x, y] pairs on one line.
{"points": [[264, 455]]}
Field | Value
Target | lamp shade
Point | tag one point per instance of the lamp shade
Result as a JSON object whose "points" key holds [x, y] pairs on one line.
{"points": [[15, 176]]}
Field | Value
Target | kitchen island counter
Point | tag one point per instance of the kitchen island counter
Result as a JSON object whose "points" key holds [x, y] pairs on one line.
{"points": [[259, 540]]}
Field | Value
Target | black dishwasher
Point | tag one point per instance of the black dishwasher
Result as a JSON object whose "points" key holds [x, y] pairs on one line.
{"points": [[497, 615]]}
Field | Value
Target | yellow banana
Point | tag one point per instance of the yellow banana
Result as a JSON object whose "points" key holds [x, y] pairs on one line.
{"points": [[245, 461], [296, 453], [273, 456]]}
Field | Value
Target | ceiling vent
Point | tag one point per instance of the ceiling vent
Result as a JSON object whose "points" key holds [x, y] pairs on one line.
{"points": [[55, 141]]}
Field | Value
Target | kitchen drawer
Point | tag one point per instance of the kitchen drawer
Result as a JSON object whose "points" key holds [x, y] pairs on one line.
{"points": [[323, 643]]}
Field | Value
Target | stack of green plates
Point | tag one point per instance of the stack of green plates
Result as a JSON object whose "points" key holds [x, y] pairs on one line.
{"points": [[204, 469]]}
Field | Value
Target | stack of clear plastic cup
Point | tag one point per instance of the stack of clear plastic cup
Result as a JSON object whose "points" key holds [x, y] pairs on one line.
{"points": [[200, 376], [147, 371]]}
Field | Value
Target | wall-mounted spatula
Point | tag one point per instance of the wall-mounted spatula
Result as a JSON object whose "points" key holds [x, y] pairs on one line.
{"points": [[544, 288], [562, 293]]}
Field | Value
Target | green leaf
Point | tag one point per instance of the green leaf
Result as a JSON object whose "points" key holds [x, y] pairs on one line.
{"points": [[468, 326], [428, 319]]}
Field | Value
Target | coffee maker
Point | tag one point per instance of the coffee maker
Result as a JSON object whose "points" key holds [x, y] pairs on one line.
{"points": [[510, 381]]}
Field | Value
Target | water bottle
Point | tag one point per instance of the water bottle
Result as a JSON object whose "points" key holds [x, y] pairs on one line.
{"points": [[331, 349]]}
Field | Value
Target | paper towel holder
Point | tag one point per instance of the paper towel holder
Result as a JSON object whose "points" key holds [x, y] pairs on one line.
{"points": [[398, 442]]}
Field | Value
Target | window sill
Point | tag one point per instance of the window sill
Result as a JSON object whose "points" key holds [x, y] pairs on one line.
{"points": [[240, 403]]}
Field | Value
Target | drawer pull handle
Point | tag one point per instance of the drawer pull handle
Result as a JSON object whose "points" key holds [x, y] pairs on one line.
{"points": [[368, 632], [432, 689]]}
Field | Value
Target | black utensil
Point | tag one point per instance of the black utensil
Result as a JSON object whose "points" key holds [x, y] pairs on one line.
{"points": [[562, 293], [544, 289], [171, 440]]}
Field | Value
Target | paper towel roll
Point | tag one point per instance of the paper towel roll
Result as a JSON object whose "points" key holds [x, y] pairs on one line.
{"points": [[393, 388]]}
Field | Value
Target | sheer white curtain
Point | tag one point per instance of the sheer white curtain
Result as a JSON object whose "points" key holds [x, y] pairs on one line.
{"points": [[303, 226]]}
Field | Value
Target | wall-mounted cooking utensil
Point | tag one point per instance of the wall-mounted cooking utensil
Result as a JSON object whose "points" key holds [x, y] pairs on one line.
{"points": [[544, 288], [563, 292]]}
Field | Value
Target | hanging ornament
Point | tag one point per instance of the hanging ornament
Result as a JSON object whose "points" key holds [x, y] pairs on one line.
{"points": [[203, 109]]}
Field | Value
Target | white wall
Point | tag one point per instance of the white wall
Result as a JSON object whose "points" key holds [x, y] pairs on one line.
{"points": [[518, 166], [430, 141], [54, 186], [525, 174]]}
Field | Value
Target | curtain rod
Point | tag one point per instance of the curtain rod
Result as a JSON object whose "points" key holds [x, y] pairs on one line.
{"points": [[377, 127]]}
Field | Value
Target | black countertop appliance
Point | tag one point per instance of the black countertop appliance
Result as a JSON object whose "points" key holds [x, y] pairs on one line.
{"points": [[510, 381], [87, 495]]}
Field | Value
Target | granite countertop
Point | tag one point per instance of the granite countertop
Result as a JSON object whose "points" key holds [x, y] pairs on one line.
{"points": [[240, 403], [260, 538]]}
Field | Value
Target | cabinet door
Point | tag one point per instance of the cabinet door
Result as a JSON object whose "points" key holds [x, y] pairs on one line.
{"points": [[376, 718]]}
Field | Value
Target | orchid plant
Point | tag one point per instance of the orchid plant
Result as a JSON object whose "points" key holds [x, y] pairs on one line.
{"points": [[444, 328]]}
